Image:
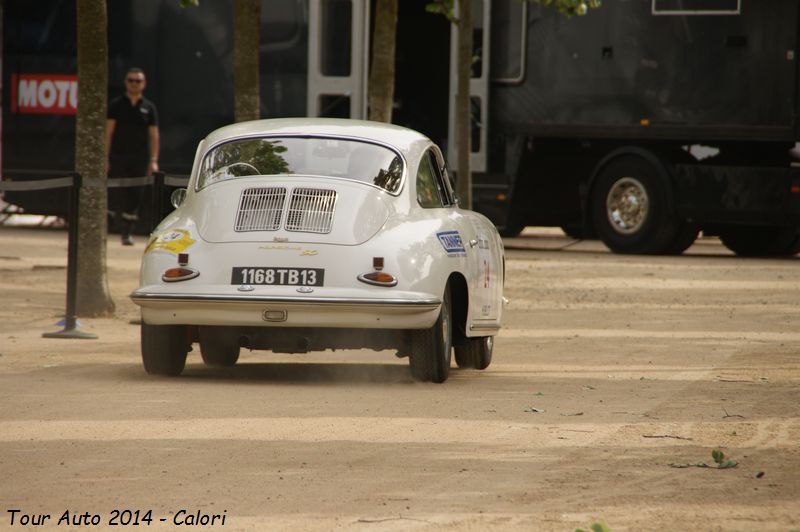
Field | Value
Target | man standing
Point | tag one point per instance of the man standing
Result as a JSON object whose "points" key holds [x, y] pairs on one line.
{"points": [[131, 147]]}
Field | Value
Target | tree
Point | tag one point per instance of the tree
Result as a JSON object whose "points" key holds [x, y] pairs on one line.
{"points": [[381, 72], [93, 296], [246, 49], [462, 18]]}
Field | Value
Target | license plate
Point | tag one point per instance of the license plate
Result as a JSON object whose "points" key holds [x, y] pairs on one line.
{"points": [[278, 276]]}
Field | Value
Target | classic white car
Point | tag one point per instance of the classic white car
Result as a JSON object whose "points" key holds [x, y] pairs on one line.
{"points": [[310, 234]]}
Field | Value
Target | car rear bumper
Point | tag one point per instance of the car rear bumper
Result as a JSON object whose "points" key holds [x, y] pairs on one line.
{"points": [[401, 311]]}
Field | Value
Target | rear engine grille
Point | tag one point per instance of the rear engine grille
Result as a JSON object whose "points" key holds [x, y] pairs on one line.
{"points": [[311, 210], [260, 209]]}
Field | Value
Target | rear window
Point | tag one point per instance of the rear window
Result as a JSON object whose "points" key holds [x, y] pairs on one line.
{"points": [[303, 156]]}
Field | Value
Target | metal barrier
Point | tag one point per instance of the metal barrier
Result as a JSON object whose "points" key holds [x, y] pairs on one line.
{"points": [[74, 182]]}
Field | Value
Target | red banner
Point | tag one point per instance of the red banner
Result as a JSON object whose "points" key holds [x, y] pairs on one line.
{"points": [[44, 93]]}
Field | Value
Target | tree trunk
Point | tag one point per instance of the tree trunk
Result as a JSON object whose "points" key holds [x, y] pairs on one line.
{"points": [[93, 296], [381, 75], [246, 41], [462, 107]]}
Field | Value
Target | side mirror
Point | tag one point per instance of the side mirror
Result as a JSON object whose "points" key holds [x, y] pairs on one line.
{"points": [[177, 197]]}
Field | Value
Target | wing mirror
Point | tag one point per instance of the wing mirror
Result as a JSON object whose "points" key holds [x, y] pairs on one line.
{"points": [[178, 196]]}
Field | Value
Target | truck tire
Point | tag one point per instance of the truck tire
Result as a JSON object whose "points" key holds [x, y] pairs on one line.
{"points": [[510, 230], [164, 349], [475, 353], [431, 349], [754, 241], [687, 234], [218, 348], [630, 207]]}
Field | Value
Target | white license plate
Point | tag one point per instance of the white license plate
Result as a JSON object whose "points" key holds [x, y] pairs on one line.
{"points": [[278, 276]]}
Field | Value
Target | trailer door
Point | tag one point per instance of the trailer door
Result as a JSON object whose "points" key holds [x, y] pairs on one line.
{"points": [[478, 87], [338, 55]]}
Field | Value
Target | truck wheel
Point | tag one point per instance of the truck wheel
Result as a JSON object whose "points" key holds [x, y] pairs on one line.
{"points": [[753, 241], [630, 209], [510, 230], [431, 349], [573, 231], [164, 349], [475, 352], [217, 347], [686, 236]]}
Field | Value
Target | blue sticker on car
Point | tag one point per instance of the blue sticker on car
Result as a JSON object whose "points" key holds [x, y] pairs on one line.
{"points": [[451, 241]]}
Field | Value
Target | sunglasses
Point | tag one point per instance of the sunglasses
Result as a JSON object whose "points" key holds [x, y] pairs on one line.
{"points": [[131, 80]]}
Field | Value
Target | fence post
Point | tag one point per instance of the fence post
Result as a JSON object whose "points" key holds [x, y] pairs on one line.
{"points": [[70, 320]]}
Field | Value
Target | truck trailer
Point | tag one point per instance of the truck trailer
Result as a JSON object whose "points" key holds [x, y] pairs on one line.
{"points": [[645, 122]]}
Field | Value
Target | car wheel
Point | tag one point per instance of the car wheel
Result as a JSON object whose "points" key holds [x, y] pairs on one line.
{"points": [[630, 210], [475, 352], [217, 347], [164, 349], [431, 348], [762, 241]]}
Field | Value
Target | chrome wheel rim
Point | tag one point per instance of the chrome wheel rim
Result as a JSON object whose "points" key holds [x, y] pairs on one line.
{"points": [[627, 205]]}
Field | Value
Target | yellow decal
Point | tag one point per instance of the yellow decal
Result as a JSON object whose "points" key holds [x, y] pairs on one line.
{"points": [[175, 241]]}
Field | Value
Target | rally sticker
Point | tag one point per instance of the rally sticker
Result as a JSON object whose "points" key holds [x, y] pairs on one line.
{"points": [[451, 241], [175, 241]]}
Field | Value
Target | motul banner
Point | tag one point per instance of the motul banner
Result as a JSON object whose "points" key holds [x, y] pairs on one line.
{"points": [[55, 94]]}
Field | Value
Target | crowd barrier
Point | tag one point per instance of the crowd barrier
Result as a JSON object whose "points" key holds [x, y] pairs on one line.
{"points": [[158, 181]]}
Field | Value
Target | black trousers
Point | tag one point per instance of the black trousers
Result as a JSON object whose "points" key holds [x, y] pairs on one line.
{"points": [[126, 201]]}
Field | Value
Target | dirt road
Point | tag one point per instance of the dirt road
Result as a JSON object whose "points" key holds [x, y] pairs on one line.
{"points": [[610, 372]]}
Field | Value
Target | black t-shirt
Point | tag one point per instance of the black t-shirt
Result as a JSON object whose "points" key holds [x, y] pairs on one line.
{"points": [[130, 141]]}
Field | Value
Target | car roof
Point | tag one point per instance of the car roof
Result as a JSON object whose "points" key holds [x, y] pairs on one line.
{"points": [[400, 137]]}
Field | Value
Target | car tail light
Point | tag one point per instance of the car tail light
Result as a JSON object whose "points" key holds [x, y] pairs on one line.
{"points": [[378, 278], [181, 273]]}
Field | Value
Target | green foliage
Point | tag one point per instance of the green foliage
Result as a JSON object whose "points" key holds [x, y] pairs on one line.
{"points": [[442, 7], [189, 3], [570, 7], [596, 527], [719, 459]]}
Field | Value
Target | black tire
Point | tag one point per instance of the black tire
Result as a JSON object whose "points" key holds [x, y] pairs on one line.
{"points": [[218, 347], [630, 207], [475, 352], [510, 230], [164, 349], [573, 231], [755, 241], [431, 349], [686, 236]]}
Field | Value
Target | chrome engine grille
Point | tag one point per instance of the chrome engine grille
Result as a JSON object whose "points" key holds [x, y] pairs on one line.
{"points": [[260, 209], [311, 210]]}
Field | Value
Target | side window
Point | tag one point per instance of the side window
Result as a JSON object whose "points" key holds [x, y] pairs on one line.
{"points": [[442, 180], [427, 188]]}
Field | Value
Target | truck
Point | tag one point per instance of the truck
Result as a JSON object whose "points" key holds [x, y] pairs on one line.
{"points": [[642, 123], [645, 122]]}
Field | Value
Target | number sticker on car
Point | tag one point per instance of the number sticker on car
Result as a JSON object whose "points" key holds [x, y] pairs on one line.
{"points": [[278, 276]]}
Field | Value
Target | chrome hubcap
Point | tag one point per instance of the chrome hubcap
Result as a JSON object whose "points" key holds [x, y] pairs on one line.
{"points": [[627, 205]]}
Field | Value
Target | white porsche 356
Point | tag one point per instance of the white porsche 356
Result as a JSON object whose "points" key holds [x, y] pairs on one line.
{"points": [[298, 235]]}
